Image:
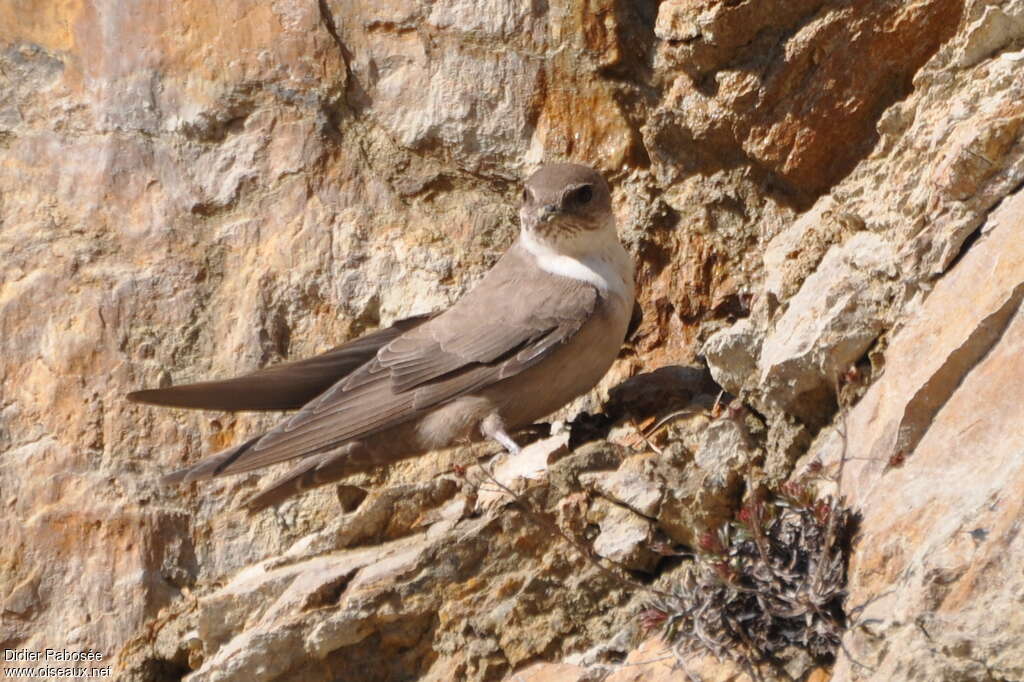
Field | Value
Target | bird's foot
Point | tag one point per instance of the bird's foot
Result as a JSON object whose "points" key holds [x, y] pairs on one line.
{"points": [[506, 442], [494, 428]]}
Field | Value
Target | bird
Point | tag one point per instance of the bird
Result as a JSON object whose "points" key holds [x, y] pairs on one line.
{"points": [[542, 327]]}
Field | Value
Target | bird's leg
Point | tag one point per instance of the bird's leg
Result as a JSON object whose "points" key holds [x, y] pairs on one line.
{"points": [[494, 428], [506, 442]]}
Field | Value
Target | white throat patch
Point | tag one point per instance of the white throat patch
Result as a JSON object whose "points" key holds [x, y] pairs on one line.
{"points": [[608, 268]]}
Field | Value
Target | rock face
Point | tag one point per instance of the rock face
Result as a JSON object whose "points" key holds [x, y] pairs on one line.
{"points": [[824, 200]]}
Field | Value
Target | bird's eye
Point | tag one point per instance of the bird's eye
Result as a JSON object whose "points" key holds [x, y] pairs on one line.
{"points": [[526, 196], [584, 194]]}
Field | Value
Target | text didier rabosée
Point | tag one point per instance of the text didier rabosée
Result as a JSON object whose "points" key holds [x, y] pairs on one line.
{"points": [[52, 655]]}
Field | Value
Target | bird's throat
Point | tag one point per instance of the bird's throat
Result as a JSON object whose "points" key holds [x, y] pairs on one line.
{"points": [[599, 260]]}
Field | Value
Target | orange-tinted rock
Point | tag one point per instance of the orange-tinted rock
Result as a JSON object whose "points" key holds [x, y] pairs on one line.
{"points": [[935, 469], [794, 88], [191, 191]]}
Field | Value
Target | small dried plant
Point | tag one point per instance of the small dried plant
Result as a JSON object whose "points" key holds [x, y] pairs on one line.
{"points": [[770, 581]]}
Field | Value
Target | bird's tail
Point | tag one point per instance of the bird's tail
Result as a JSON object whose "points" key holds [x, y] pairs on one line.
{"points": [[312, 473], [211, 466]]}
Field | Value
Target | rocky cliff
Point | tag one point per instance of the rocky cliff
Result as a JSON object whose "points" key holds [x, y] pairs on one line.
{"points": [[824, 201]]}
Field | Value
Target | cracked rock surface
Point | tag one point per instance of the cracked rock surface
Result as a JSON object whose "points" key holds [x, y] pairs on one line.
{"points": [[825, 203]]}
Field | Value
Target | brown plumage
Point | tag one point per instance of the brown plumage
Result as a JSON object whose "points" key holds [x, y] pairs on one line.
{"points": [[542, 327], [287, 386]]}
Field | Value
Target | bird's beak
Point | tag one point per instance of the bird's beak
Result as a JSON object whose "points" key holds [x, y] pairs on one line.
{"points": [[548, 212]]}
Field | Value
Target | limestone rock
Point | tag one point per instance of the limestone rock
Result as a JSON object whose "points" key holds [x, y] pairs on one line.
{"points": [[782, 81], [512, 472], [933, 460], [699, 496], [834, 318], [796, 252], [637, 490], [731, 354], [625, 536], [188, 192]]}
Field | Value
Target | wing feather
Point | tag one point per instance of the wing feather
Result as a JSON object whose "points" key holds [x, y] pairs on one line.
{"points": [[287, 386], [491, 334]]}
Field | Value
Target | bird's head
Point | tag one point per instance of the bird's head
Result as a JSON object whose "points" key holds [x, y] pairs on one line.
{"points": [[568, 208]]}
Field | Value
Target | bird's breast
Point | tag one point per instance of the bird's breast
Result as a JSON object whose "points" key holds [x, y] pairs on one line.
{"points": [[570, 371]]}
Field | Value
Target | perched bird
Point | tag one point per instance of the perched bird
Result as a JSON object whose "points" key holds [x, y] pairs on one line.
{"points": [[542, 327]]}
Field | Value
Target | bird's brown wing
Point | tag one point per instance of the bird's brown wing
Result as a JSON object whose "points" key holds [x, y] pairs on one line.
{"points": [[504, 326], [287, 386]]}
